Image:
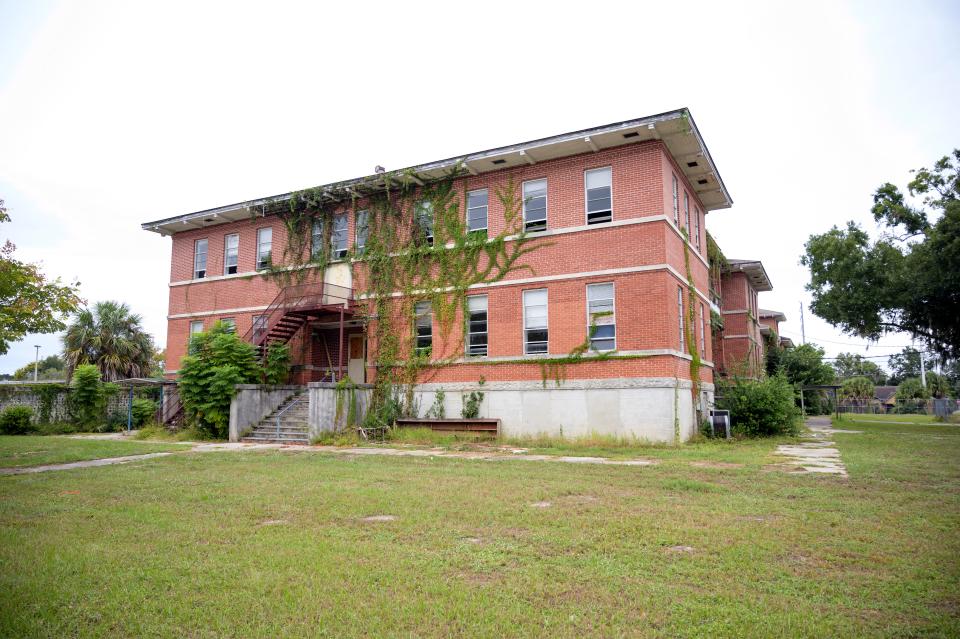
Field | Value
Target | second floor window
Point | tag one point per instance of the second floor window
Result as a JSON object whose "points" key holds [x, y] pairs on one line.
{"points": [[601, 321], [683, 345], [698, 214], [231, 254], [598, 183], [477, 210], [676, 202], [338, 236], [477, 325], [424, 220], [316, 238], [264, 247], [199, 259], [535, 333], [423, 325], [686, 213], [535, 205], [362, 229]]}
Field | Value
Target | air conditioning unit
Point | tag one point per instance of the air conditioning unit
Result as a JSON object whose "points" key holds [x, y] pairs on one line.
{"points": [[720, 423]]}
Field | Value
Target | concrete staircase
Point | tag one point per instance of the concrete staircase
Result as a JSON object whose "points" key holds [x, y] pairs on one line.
{"points": [[293, 424]]}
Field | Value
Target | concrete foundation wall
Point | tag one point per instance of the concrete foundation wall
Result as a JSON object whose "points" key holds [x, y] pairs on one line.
{"points": [[252, 403], [644, 409], [323, 407]]}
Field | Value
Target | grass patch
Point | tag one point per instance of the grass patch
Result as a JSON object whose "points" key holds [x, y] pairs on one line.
{"points": [[159, 433], [273, 543], [33, 450], [908, 419]]}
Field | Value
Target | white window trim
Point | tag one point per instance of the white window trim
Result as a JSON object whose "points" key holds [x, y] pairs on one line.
{"points": [[676, 200], [466, 349], [523, 302], [699, 213], [206, 258], [681, 323], [231, 320], [260, 244], [334, 251], [686, 213], [416, 319], [356, 228], [614, 300], [226, 249], [486, 226], [586, 204], [546, 204]]}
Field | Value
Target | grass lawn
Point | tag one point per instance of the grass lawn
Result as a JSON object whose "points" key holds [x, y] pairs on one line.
{"points": [[706, 543], [29, 450]]}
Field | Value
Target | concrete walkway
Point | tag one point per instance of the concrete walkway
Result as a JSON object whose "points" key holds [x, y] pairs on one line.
{"points": [[816, 453], [109, 461]]}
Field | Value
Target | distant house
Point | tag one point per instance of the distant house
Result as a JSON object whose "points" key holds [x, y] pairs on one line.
{"points": [[886, 395], [770, 322]]}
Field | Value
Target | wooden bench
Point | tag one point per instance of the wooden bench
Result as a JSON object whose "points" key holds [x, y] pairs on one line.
{"points": [[479, 425]]}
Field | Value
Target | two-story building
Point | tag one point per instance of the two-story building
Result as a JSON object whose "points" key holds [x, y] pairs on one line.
{"points": [[613, 290]]}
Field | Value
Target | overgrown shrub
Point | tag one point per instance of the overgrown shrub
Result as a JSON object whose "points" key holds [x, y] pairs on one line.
{"points": [[144, 411], [16, 420], [472, 402], [276, 368], [88, 398], [760, 408], [218, 360]]}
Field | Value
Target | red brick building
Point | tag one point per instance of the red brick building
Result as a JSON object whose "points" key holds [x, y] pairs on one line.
{"points": [[611, 208], [740, 348]]}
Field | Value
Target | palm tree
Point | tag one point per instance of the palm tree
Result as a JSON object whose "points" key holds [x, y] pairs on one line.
{"points": [[112, 338]]}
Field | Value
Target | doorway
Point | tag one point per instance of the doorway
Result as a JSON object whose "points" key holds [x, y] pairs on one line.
{"points": [[356, 365]]}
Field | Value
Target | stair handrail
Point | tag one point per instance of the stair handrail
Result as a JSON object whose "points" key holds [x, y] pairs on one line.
{"points": [[284, 410], [291, 297]]}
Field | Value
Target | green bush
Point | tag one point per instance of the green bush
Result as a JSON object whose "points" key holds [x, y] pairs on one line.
{"points": [[87, 399], [760, 408], [16, 420], [276, 368], [144, 411]]}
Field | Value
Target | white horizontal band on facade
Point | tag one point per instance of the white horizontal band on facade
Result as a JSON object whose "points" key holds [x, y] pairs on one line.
{"points": [[221, 311], [520, 359], [569, 384], [548, 233], [735, 312]]}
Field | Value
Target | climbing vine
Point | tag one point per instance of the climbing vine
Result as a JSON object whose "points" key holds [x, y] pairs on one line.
{"points": [[689, 331]]}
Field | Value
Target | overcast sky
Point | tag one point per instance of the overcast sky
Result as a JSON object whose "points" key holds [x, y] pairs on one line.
{"points": [[117, 113]]}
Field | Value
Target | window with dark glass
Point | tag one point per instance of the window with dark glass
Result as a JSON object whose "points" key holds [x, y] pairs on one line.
{"points": [[423, 322], [676, 202], [264, 247], [477, 210], [598, 183], [686, 212], [229, 324], [535, 334], [316, 238], [601, 320], [231, 254], [362, 229], [339, 235], [477, 325], [683, 348], [535, 205], [424, 221], [199, 259]]}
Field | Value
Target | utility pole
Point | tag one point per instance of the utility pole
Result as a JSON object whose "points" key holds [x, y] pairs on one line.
{"points": [[923, 372], [36, 362], [803, 332]]}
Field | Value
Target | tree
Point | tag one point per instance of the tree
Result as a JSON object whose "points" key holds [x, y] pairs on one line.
{"points": [[938, 386], [773, 354], [907, 364], [849, 365], [50, 367], [859, 388], [906, 280], [29, 302], [804, 365], [912, 389], [110, 337]]}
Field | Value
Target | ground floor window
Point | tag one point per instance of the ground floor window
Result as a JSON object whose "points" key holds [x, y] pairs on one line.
{"points": [[423, 323], [477, 325], [535, 335], [229, 323], [601, 320]]}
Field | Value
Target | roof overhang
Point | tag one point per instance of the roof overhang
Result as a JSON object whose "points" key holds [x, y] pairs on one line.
{"points": [[774, 315], [754, 271], [676, 129]]}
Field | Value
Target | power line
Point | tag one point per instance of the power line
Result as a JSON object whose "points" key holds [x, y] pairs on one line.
{"points": [[864, 344]]}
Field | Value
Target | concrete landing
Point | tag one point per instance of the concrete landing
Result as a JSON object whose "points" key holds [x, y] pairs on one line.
{"points": [[817, 452]]}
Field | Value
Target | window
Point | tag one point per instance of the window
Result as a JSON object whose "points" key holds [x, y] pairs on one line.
{"points": [[686, 212], [231, 253], [698, 213], [196, 326], [259, 326], [316, 238], [477, 210], [477, 325], [535, 205], [362, 229], [264, 247], [424, 219], [535, 321], [601, 321], [703, 331], [338, 236], [676, 202], [229, 323], [423, 321], [599, 195], [199, 259], [683, 347]]}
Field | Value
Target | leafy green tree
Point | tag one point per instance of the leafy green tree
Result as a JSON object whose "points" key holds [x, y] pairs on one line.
{"points": [[218, 360], [912, 389], [110, 337], [276, 368], [760, 407], [907, 364], [849, 365], [51, 367], [87, 396], [859, 388], [938, 386], [804, 365], [773, 354], [29, 302], [907, 279]]}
